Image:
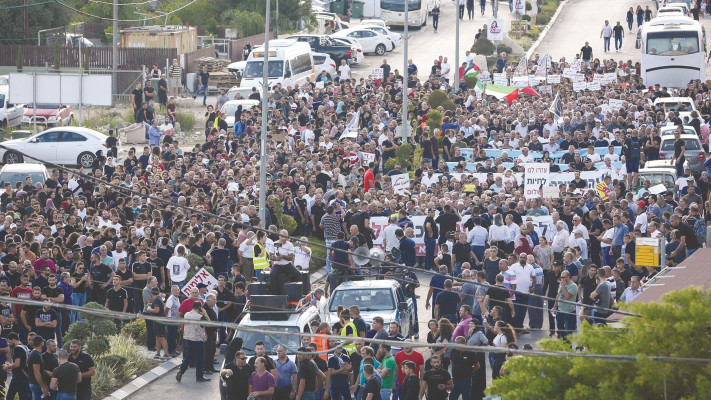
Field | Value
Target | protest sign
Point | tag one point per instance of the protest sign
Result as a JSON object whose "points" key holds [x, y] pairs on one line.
{"points": [[535, 175], [400, 183], [202, 276]]}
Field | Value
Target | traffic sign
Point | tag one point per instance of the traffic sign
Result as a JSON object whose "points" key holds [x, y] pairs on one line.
{"points": [[647, 252]]}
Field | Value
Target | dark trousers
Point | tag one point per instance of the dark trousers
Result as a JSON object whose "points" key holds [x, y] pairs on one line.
{"points": [[282, 392], [430, 245], [566, 323], [210, 350], [150, 335], [461, 11], [551, 319], [65, 321], [83, 392], [461, 388], [282, 274], [19, 384], [520, 306], [479, 378], [171, 337], [195, 352], [535, 308]]}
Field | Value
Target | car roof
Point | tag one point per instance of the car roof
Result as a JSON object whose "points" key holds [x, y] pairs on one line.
{"points": [[241, 102], [658, 164], [673, 100], [385, 283], [23, 167], [685, 136], [295, 319]]}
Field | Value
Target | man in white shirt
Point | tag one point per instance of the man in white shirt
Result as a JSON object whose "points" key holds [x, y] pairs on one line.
{"points": [[560, 240], [525, 275], [632, 291], [389, 238], [446, 68], [641, 221], [178, 267], [282, 256], [119, 254], [525, 156], [344, 70], [166, 127]]}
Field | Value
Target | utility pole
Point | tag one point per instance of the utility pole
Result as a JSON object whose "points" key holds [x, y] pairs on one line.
{"points": [[406, 73], [456, 53], [265, 110], [26, 22], [276, 26], [114, 48]]}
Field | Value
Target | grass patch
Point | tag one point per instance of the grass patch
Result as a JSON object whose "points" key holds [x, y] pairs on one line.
{"points": [[524, 41], [122, 364], [186, 121]]}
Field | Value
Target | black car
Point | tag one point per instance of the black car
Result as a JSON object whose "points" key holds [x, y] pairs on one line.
{"points": [[326, 44]]}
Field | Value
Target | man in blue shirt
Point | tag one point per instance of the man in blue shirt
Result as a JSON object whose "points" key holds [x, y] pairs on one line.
{"points": [[436, 286], [340, 260], [407, 248], [618, 237]]}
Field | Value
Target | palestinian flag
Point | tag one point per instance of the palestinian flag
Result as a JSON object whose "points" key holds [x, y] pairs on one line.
{"points": [[473, 71]]}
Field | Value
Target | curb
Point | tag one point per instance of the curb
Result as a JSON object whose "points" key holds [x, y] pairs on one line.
{"points": [[163, 369], [545, 30], [143, 380]]}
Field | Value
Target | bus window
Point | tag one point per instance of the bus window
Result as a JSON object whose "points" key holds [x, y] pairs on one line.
{"points": [[399, 5], [253, 69], [672, 43]]}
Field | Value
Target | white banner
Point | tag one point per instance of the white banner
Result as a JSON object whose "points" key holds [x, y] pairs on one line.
{"points": [[202, 276], [376, 73], [368, 158], [543, 226], [400, 183], [495, 29], [519, 7], [535, 175], [554, 78]]}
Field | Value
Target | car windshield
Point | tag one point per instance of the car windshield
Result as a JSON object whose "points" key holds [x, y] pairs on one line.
{"points": [[657, 178], [687, 131], [254, 69], [230, 109], [669, 106], [43, 106], [270, 341], [399, 5], [17, 176], [367, 299], [674, 43], [689, 144]]}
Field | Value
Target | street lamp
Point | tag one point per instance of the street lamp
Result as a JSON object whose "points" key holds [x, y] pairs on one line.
{"points": [[405, 127], [456, 52]]}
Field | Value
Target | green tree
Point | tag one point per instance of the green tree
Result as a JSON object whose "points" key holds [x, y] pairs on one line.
{"points": [[40, 17], [57, 60], [675, 327]]}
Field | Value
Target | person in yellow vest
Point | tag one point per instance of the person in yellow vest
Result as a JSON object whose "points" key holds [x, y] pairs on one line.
{"points": [[349, 329], [321, 340], [260, 260]]}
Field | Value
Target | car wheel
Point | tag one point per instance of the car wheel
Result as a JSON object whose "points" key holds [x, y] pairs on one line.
{"points": [[380, 49], [86, 159], [393, 43], [12, 158], [3, 123]]}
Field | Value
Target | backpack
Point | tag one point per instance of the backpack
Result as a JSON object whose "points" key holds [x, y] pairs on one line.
{"points": [[25, 370], [700, 230]]}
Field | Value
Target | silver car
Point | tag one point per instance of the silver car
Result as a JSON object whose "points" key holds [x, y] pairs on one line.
{"points": [[694, 152]]}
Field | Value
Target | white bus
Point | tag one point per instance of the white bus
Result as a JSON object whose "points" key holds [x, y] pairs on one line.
{"points": [[290, 63], [392, 12], [673, 50]]}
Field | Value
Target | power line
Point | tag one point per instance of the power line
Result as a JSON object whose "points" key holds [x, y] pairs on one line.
{"points": [[108, 3], [124, 20], [384, 263], [400, 344], [30, 5]]}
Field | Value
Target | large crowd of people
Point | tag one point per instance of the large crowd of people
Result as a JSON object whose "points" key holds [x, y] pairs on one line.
{"points": [[121, 233]]}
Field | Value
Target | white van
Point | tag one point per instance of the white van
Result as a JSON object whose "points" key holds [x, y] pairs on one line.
{"points": [[290, 63], [10, 114]]}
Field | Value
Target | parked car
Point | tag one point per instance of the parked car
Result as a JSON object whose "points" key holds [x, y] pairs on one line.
{"points": [[394, 36], [694, 153], [325, 44], [324, 62], [669, 130], [376, 22], [384, 298], [14, 173], [65, 145], [658, 171], [230, 107], [675, 11], [372, 41], [10, 113], [237, 68], [244, 91], [357, 48], [48, 115], [667, 104]]}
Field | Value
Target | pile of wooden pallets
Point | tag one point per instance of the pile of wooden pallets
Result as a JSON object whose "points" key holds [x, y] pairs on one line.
{"points": [[212, 64], [223, 79]]}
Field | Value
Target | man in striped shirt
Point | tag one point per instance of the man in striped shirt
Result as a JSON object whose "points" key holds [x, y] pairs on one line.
{"points": [[176, 74]]}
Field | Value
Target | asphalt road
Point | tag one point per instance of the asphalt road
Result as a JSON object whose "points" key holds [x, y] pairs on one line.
{"points": [[166, 387]]}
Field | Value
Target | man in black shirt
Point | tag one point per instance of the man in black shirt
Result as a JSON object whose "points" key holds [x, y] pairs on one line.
{"points": [[141, 271], [116, 297], [66, 376], [372, 383], [137, 100], [50, 360], [236, 374], [46, 321], [437, 380], [497, 295], [158, 270], [27, 315], [322, 365], [36, 369], [19, 382], [464, 364], [688, 238], [259, 352], [447, 222], [310, 378], [586, 53], [100, 275], [618, 32], [551, 281], [86, 366]]}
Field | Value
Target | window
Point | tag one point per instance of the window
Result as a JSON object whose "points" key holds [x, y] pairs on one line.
{"points": [[366, 299], [399, 5], [300, 64], [674, 43], [689, 144], [271, 342], [319, 59], [367, 34], [254, 69], [49, 137], [72, 137]]}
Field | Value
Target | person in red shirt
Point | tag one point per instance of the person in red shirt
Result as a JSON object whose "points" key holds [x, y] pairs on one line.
{"points": [[408, 354], [24, 291], [369, 178], [187, 304]]}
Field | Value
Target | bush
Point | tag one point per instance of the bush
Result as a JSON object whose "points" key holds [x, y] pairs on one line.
{"points": [[288, 223], [105, 327], [97, 346], [440, 98], [115, 360], [525, 42], [471, 81], [136, 330], [196, 261], [483, 46], [404, 155], [134, 362], [526, 17], [186, 120], [80, 331], [543, 19], [103, 380], [194, 271], [318, 255], [529, 7], [434, 120], [504, 49]]}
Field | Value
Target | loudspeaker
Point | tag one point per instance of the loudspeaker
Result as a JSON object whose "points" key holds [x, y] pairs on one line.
{"points": [[293, 290], [305, 282], [267, 308]]}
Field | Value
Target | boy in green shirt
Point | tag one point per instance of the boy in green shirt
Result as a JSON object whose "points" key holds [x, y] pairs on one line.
{"points": [[388, 371]]}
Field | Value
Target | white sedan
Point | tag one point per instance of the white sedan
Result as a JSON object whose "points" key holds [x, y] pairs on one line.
{"points": [[324, 62], [372, 42], [395, 37], [68, 145]]}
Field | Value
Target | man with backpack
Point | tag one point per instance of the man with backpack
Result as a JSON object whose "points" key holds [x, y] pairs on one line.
{"points": [[633, 146], [20, 377]]}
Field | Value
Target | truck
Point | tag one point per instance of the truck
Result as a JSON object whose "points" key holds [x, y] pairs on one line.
{"points": [[326, 44]]}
